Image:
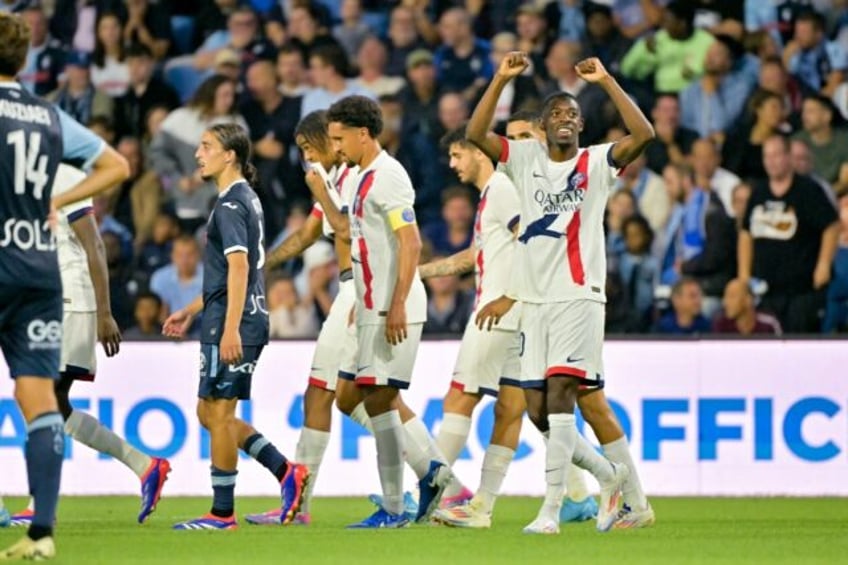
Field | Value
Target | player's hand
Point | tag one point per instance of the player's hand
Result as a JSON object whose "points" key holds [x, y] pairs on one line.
{"points": [[491, 314], [177, 324], [396, 324], [230, 347], [591, 70], [513, 64], [315, 182], [108, 334], [821, 276]]}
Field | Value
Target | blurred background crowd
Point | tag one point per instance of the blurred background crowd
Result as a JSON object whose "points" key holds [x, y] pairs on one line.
{"points": [[734, 221]]}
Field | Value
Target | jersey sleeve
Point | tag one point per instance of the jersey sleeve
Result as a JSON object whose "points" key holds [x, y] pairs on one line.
{"points": [[232, 218], [395, 197], [516, 156], [78, 143], [607, 168]]}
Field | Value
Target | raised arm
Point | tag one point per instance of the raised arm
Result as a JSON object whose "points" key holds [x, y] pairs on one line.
{"points": [[88, 235], [641, 131], [109, 170], [477, 131], [457, 264], [296, 243]]}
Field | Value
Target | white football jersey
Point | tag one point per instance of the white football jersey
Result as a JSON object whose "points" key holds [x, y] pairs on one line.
{"points": [[337, 188], [494, 243], [561, 251], [383, 202], [77, 289]]}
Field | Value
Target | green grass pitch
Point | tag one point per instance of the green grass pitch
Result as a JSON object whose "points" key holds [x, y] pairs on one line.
{"points": [[95, 530]]}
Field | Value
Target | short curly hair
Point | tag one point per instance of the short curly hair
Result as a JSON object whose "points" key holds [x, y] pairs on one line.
{"points": [[358, 112], [13, 49]]}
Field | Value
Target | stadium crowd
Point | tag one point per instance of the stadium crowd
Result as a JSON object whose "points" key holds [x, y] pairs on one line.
{"points": [[735, 220]]}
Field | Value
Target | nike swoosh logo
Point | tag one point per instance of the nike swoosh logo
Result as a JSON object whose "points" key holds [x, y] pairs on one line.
{"points": [[538, 176], [575, 360], [359, 369]]}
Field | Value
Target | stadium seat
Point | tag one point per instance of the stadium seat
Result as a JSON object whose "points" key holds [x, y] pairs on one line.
{"points": [[183, 77], [182, 33]]}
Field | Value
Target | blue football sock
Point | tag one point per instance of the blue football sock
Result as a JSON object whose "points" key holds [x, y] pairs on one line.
{"points": [[44, 451], [223, 484], [258, 447]]}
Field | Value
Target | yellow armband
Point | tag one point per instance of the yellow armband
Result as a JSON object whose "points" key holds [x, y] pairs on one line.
{"points": [[400, 217]]}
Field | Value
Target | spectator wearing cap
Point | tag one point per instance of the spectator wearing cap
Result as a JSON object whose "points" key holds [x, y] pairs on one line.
{"points": [[739, 314], [462, 61], [828, 145], [77, 96], [520, 93], [420, 97], [713, 103], [330, 71], [352, 31], [817, 62], [109, 71], [145, 91], [227, 63], [675, 55], [403, 39], [603, 38], [371, 61], [45, 59], [591, 98], [685, 316]]}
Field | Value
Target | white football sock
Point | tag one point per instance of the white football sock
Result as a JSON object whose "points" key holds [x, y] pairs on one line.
{"points": [[87, 430], [360, 416], [388, 434], [420, 447], [575, 483], [310, 451], [563, 437], [495, 464], [453, 435], [586, 457], [631, 491]]}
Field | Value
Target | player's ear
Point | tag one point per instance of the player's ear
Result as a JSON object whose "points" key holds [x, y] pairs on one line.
{"points": [[582, 123]]}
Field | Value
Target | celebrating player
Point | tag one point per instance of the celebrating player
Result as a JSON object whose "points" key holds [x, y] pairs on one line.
{"points": [[87, 317], [234, 328], [390, 308], [38, 137], [560, 273]]}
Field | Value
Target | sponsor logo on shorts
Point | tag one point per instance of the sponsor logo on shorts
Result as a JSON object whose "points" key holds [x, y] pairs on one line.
{"points": [[44, 335], [246, 368]]}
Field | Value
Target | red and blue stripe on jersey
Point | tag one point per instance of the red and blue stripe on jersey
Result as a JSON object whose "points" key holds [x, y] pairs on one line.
{"points": [[359, 212]]}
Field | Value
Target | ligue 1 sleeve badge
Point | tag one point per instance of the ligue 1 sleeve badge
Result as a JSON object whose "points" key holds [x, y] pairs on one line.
{"points": [[408, 215]]}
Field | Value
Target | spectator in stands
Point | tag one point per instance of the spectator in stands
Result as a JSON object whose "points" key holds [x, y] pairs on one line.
{"points": [[674, 141], [685, 316], [520, 93], [417, 155], [352, 31], [636, 18], [420, 98], [290, 317], [136, 202], [120, 285], [802, 164], [604, 39], [453, 233], [147, 314], [371, 60], [45, 58], [403, 39], [329, 69], [462, 61], [291, 72], [448, 306], [621, 205], [145, 91], [639, 270], [228, 63], [712, 104], [180, 282], [742, 153], [817, 62], [706, 162], [778, 19], [152, 125], [675, 55], [739, 202], [704, 244], [828, 145], [102, 127], [242, 36], [740, 316], [110, 72], [317, 281], [270, 120], [172, 150], [836, 313], [149, 24], [648, 189], [307, 29], [533, 36], [107, 224], [212, 17], [789, 239], [156, 251], [78, 96], [774, 78]]}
